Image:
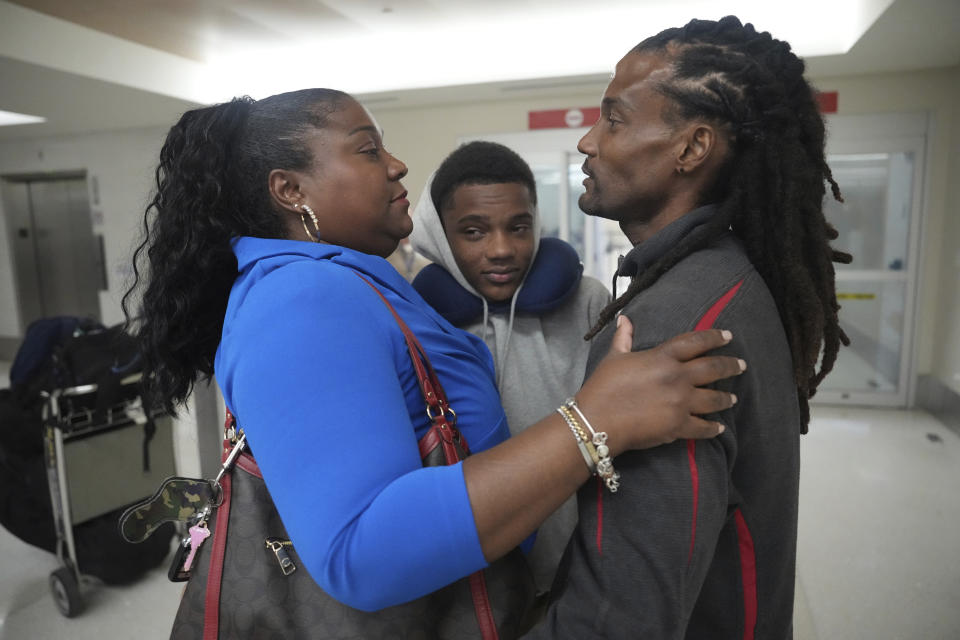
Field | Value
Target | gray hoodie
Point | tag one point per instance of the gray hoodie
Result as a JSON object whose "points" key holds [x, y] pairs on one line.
{"points": [[540, 358]]}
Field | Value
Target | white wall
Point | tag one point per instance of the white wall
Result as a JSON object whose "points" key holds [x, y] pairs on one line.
{"points": [[945, 364]]}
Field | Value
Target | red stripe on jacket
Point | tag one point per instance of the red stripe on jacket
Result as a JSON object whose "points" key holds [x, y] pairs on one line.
{"points": [[748, 572], [706, 322]]}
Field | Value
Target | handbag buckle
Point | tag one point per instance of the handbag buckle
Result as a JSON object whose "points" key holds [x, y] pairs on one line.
{"points": [[444, 409]]}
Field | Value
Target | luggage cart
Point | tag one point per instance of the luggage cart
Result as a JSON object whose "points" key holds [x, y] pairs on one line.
{"points": [[95, 463]]}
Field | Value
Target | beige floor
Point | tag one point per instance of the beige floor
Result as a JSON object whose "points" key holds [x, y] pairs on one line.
{"points": [[877, 558], [879, 521]]}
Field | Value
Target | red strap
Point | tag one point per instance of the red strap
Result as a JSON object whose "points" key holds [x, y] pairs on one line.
{"points": [[246, 462], [443, 430], [211, 609], [429, 442], [433, 392], [481, 605]]}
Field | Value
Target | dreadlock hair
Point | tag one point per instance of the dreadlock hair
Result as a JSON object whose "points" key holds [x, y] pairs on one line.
{"points": [[211, 186], [770, 190], [479, 162]]}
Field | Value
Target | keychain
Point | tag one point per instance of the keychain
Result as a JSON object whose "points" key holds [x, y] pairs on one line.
{"points": [[180, 499]]}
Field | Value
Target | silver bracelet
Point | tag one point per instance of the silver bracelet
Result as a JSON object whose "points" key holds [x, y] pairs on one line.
{"points": [[599, 439], [581, 437]]}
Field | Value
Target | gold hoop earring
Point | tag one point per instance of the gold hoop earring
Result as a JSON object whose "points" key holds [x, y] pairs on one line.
{"points": [[307, 211]]}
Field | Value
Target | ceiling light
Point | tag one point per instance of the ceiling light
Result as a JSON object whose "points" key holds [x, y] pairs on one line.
{"points": [[546, 41], [8, 118]]}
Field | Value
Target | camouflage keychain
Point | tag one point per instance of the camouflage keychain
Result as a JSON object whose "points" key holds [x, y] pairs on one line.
{"points": [[179, 499]]}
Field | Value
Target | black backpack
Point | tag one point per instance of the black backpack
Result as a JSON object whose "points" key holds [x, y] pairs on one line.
{"points": [[60, 352], [67, 351]]}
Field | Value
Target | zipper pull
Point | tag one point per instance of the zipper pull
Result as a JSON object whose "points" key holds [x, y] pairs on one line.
{"points": [[277, 545]]}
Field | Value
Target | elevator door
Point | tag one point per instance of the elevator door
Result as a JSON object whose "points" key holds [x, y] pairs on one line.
{"points": [[57, 259]]}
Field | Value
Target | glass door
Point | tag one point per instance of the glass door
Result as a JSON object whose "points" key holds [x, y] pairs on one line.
{"points": [[878, 163]]}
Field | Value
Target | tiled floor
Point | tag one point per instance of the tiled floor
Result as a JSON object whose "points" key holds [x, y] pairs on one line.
{"points": [[879, 521], [877, 559]]}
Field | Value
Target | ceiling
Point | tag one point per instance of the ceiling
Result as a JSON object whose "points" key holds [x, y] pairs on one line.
{"points": [[93, 65]]}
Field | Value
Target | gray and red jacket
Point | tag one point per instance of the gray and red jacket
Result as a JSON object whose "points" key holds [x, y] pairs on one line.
{"points": [[700, 540]]}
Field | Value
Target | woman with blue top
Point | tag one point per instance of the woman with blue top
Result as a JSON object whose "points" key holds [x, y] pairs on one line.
{"points": [[265, 213]]}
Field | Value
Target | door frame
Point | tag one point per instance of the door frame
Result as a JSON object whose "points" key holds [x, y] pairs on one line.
{"points": [[888, 133]]}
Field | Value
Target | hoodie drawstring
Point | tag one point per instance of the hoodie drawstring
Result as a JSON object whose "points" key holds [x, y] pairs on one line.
{"points": [[502, 354], [486, 319]]}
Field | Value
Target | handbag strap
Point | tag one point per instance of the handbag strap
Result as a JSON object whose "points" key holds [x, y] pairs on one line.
{"points": [[433, 393], [436, 399], [211, 608]]}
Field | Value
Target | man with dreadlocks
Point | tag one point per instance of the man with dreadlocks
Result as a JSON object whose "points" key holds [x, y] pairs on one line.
{"points": [[709, 152]]}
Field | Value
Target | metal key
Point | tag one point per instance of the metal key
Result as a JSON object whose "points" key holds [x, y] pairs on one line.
{"points": [[176, 573], [198, 533]]}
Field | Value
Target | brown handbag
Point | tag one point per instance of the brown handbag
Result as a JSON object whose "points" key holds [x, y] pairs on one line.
{"points": [[251, 584]]}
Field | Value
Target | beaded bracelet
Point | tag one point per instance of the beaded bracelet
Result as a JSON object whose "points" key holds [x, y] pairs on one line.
{"points": [[583, 443], [587, 441], [599, 439]]}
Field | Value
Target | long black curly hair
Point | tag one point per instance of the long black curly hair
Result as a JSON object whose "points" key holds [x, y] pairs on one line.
{"points": [[211, 186], [770, 190]]}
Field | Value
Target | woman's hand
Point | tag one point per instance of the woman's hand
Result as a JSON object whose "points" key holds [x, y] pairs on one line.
{"points": [[640, 399], [648, 398]]}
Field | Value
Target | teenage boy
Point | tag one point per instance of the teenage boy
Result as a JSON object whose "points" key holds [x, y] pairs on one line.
{"points": [[524, 295]]}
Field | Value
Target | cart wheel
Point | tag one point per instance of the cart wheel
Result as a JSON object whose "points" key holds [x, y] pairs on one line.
{"points": [[66, 592]]}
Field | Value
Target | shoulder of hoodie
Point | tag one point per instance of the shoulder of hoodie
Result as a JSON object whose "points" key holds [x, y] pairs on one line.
{"points": [[593, 291], [581, 309]]}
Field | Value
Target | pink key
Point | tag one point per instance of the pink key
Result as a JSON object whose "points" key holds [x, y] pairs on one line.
{"points": [[198, 533]]}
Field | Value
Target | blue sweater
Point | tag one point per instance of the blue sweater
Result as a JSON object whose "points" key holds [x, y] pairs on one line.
{"points": [[316, 370]]}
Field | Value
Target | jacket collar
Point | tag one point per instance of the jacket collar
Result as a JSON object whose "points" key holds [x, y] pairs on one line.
{"points": [[652, 249]]}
